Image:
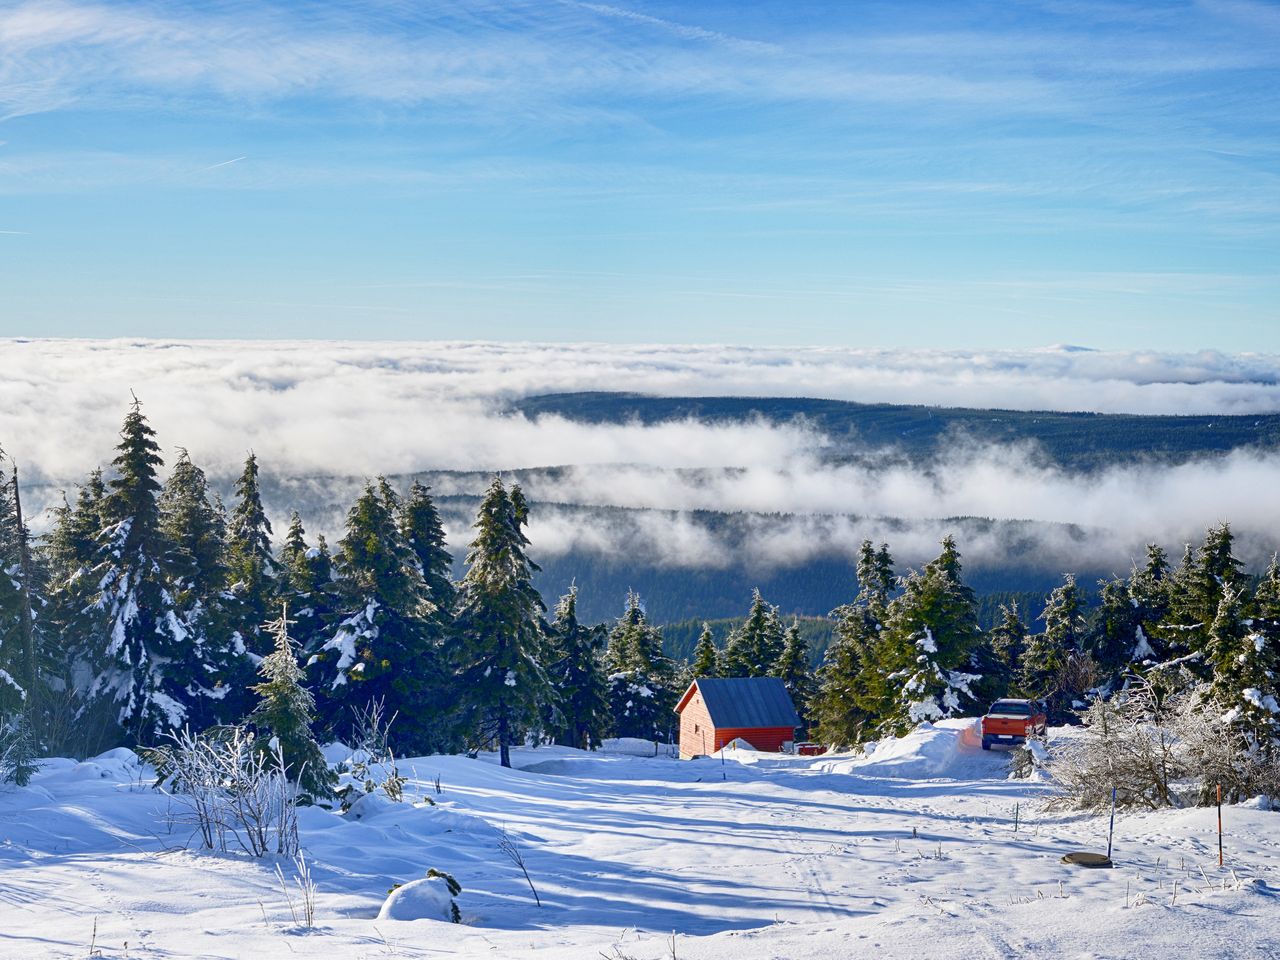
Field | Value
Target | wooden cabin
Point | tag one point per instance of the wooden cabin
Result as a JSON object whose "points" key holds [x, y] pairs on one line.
{"points": [[714, 711]]}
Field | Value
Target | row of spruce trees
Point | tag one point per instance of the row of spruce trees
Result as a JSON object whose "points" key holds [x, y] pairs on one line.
{"points": [[145, 610]]}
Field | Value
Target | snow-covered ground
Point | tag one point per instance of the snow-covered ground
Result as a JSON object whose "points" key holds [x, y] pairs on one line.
{"points": [[908, 852]]}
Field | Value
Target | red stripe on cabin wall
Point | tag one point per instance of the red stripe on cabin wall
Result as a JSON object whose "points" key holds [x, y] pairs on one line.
{"points": [[768, 739]]}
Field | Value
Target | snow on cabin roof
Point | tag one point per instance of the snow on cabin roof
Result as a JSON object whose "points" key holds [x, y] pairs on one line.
{"points": [[745, 701]]}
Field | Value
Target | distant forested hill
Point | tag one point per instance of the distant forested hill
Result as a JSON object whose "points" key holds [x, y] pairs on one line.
{"points": [[1080, 441]]}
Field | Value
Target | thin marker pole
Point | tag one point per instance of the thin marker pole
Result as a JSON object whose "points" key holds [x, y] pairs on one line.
{"points": [[1112, 831], [1219, 824]]}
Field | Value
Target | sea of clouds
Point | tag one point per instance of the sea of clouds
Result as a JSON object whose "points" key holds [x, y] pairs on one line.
{"points": [[345, 409]]}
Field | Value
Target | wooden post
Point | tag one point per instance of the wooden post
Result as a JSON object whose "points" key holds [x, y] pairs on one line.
{"points": [[1111, 832], [1219, 824], [28, 626]]}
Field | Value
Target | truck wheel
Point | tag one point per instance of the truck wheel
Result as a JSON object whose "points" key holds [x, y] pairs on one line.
{"points": [[986, 744]]}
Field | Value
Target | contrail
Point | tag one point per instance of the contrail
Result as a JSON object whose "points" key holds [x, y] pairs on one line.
{"points": [[15, 233], [226, 162]]}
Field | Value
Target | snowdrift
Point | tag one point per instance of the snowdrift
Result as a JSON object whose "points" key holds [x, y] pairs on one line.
{"points": [[950, 749]]}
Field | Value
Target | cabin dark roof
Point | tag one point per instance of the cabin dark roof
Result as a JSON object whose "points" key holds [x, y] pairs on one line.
{"points": [[746, 702]]}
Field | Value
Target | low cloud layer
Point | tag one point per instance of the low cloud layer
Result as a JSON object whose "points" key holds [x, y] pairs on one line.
{"points": [[357, 409]]}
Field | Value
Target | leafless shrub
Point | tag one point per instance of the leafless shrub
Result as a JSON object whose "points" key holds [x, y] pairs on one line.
{"points": [[372, 728], [1159, 750], [1128, 743], [233, 790]]}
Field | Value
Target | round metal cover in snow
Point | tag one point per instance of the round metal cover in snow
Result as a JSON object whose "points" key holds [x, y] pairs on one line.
{"points": [[1082, 859]]}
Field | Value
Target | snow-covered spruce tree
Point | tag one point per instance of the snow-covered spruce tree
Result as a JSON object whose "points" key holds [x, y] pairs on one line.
{"points": [[1267, 602], [793, 670], [580, 716], [252, 566], [284, 714], [928, 638], [423, 532], [17, 638], [500, 635], [1008, 637], [306, 585], [852, 687], [1245, 673], [754, 647], [70, 550], [642, 679], [192, 521], [1196, 589], [1113, 630], [1055, 668], [1148, 589], [380, 644], [136, 644], [706, 658]]}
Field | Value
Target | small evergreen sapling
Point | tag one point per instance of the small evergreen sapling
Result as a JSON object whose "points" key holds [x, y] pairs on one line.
{"points": [[285, 710]]}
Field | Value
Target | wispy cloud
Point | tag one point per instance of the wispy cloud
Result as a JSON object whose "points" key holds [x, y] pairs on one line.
{"points": [[225, 163]]}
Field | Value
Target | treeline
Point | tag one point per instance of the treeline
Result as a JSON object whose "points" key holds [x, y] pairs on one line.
{"points": [[144, 610]]}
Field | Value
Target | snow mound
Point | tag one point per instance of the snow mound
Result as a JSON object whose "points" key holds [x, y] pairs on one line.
{"points": [[946, 749], [370, 806], [631, 746], [425, 899]]}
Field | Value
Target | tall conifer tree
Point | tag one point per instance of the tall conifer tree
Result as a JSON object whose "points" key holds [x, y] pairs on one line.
{"points": [[852, 689], [306, 581], [16, 685], [500, 632], [753, 649], [423, 532], [251, 562], [380, 645], [927, 643], [192, 522], [706, 658], [137, 646], [793, 670], [576, 670], [1049, 656], [642, 679]]}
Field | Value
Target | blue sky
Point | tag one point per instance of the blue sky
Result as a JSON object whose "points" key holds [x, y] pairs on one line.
{"points": [[898, 174]]}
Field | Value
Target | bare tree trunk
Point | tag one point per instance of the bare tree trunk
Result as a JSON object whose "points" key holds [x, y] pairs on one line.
{"points": [[504, 735]]}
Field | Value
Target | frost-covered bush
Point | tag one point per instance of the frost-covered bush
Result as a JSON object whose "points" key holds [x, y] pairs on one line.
{"points": [[233, 791], [1160, 749], [372, 765], [1219, 751]]}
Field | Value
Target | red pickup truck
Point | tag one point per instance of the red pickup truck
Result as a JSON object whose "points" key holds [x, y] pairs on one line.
{"points": [[1012, 721]]}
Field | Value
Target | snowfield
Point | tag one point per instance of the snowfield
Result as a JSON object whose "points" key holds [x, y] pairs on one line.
{"points": [[909, 851]]}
